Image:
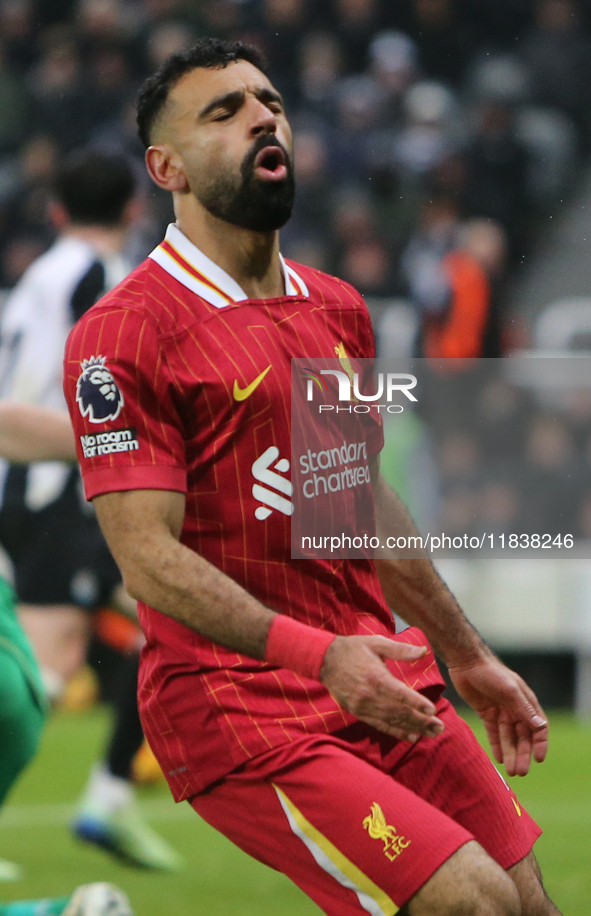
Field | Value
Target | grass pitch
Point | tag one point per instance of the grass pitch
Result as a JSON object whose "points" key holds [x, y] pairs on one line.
{"points": [[219, 879]]}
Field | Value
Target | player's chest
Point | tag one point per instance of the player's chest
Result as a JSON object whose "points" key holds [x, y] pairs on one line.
{"points": [[238, 361]]}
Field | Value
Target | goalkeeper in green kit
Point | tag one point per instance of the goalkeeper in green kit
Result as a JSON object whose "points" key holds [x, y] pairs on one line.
{"points": [[30, 433]]}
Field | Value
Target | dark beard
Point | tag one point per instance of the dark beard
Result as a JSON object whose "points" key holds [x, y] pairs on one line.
{"points": [[261, 206]]}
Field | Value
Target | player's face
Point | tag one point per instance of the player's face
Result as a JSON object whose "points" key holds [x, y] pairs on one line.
{"points": [[230, 130]]}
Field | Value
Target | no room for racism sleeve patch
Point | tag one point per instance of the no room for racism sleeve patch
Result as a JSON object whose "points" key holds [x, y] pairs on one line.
{"points": [[116, 440], [129, 435]]}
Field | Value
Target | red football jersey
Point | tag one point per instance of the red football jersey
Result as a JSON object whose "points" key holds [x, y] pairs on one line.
{"points": [[176, 380]]}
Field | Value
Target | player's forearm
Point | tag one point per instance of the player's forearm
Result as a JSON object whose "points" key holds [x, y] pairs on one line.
{"points": [[414, 590], [168, 576], [31, 433], [143, 527]]}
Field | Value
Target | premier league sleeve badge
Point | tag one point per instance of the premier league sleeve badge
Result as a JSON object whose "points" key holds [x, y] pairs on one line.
{"points": [[97, 394]]}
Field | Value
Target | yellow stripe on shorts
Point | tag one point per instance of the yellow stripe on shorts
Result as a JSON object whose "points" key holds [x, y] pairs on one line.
{"points": [[374, 900]]}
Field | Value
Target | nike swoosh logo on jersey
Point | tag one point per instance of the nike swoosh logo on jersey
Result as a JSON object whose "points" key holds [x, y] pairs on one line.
{"points": [[241, 394]]}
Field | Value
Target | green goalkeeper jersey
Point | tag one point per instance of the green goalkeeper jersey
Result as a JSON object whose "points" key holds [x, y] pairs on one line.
{"points": [[15, 643]]}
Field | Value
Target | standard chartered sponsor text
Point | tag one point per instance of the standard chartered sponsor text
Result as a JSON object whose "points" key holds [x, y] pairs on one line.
{"points": [[340, 462]]}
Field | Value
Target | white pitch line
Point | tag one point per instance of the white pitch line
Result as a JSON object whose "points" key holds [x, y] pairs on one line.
{"points": [[56, 815]]}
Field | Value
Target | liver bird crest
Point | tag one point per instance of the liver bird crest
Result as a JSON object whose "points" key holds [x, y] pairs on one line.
{"points": [[378, 829]]}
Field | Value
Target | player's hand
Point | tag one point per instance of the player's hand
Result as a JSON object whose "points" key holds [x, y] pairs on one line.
{"points": [[514, 720], [358, 679]]}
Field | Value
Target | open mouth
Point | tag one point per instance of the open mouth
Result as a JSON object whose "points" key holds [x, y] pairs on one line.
{"points": [[269, 164]]}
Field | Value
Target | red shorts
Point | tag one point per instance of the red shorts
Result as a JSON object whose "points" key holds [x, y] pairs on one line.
{"points": [[360, 821]]}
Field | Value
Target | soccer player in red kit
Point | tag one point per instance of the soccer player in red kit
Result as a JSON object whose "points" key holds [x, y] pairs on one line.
{"points": [[275, 692]]}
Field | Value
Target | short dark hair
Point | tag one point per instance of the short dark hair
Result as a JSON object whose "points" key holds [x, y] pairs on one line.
{"points": [[94, 186], [209, 53]]}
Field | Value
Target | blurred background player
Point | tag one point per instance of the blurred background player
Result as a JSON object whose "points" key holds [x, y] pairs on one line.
{"points": [[31, 433], [62, 566]]}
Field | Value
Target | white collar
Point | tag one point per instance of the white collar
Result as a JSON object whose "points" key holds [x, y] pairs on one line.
{"points": [[187, 264]]}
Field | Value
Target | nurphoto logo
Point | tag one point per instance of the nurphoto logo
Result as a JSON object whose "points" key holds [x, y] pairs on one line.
{"points": [[388, 383]]}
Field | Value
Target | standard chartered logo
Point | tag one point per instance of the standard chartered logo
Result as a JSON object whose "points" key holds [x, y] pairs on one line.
{"points": [[274, 484]]}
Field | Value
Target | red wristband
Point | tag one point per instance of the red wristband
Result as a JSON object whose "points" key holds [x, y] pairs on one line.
{"points": [[294, 645]]}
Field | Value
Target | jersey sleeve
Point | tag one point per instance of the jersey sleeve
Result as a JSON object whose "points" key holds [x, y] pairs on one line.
{"points": [[120, 395]]}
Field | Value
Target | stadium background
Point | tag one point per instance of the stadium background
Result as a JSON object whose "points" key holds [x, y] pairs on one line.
{"points": [[422, 128]]}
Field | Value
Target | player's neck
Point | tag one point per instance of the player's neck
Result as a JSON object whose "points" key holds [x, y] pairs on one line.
{"points": [[106, 240], [250, 258]]}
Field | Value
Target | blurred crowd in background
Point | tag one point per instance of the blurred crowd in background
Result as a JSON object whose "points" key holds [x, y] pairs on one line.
{"points": [[409, 118], [435, 140], [484, 455]]}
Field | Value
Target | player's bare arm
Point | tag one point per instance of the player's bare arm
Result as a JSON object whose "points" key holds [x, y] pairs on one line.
{"points": [[31, 433], [142, 528], [515, 722]]}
